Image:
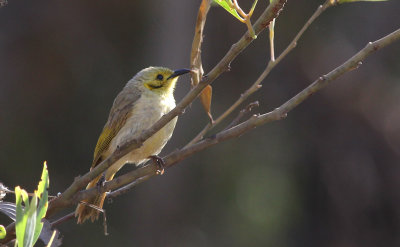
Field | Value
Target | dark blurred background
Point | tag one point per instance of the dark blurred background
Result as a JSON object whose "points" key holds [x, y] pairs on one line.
{"points": [[327, 175]]}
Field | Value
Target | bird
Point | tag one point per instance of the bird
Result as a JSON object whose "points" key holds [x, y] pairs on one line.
{"points": [[142, 102]]}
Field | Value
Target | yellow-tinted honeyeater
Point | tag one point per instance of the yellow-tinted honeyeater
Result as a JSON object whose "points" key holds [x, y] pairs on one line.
{"points": [[143, 101]]}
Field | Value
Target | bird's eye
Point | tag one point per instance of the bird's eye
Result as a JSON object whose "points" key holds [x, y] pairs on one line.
{"points": [[160, 77]]}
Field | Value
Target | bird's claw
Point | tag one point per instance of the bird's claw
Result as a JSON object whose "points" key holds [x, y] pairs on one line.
{"points": [[160, 163]]}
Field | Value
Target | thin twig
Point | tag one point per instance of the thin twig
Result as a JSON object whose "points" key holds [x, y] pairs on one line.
{"points": [[245, 18], [64, 200], [63, 219], [242, 113], [238, 9], [195, 55], [257, 84], [255, 121], [271, 40], [127, 187]]}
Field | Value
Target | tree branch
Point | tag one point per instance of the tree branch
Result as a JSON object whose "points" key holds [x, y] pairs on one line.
{"points": [[255, 121], [143, 173], [257, 84], [72, 195], [195, 55], [271, 12]]}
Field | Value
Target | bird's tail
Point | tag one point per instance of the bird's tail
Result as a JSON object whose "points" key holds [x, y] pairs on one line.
{"points": [[90, 208]]}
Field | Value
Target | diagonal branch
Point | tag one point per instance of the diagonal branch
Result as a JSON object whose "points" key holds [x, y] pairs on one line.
{"points": [[257, 84], [255, 121], [271, 12]]}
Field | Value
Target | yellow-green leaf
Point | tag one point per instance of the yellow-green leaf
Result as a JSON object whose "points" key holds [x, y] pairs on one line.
{"points": [[3, 232], [21, 217], [29, 217], [43, 203], [226, 4]]}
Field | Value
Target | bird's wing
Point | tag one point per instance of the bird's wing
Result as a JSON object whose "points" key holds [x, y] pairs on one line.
{"points": [[120, 112]]}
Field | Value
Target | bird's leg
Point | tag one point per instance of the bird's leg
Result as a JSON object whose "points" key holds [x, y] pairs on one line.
{"points": [[160, 162]]}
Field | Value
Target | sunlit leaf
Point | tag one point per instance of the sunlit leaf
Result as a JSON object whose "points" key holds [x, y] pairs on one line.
{"points": [[226, 4], [30, 223], [21, 216], [29, 217], [3, 232], [43, 203]]}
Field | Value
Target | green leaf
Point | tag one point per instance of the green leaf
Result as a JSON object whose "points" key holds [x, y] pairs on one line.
{"points": [[226, 4], [3, 232], [21, 218], [43, 203], [30, 223], [29, 219], [352, 1]]}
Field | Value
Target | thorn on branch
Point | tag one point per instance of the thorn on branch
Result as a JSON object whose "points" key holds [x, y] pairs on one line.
{"points": [[356, 66], [279, 114], [254, 116], [250, 106], [375, 47], [282, 116], [242, 113]]}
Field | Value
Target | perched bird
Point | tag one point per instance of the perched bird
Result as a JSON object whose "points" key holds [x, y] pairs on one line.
{"points": [[143, 101]]}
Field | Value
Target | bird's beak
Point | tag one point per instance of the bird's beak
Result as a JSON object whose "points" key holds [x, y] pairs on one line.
{"points": [[178, 72]]}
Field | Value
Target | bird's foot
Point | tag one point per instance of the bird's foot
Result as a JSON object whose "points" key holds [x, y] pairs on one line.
{"points": [[160, 162]]}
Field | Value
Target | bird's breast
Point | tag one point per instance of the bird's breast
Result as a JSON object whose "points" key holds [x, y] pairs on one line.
{"points": [[146, 112]]}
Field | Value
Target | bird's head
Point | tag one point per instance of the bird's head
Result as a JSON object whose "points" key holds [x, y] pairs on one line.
{"points": [[159, 80]]}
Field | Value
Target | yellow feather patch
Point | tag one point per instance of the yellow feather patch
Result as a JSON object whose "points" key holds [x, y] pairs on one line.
{"points": [[108, 134]]}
